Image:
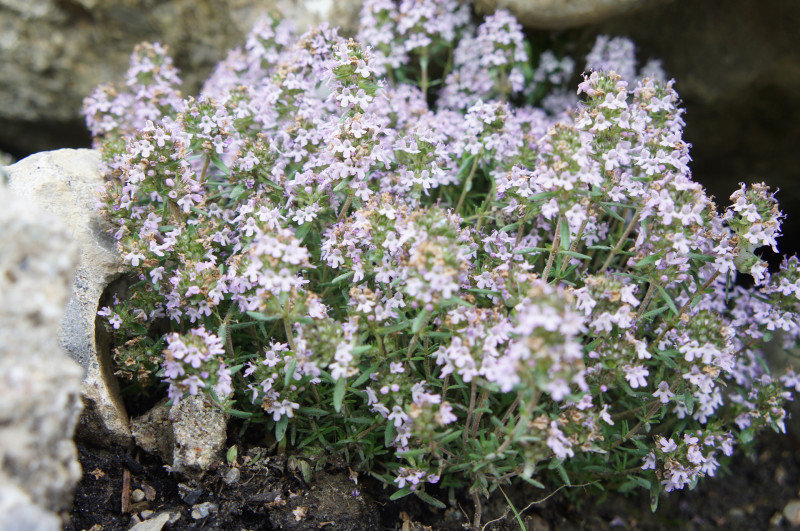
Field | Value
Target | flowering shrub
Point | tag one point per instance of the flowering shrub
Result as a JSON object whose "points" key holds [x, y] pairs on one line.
{"points": [[461, 295]]}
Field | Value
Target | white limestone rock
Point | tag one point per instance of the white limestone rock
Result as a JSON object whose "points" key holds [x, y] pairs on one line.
{"points": [[189, 436], [39, 385], [65, 184]]}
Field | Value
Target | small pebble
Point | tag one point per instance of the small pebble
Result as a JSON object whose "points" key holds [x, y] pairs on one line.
{"points": [[153, 524], [232, 476], [201, 510], [188, 494], [137, 495], [792, 512], [146, 514]]}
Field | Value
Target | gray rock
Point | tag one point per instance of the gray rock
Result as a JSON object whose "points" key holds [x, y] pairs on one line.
{"points": [[39, 384], [558, 14], [153, 524], [190, 494], [199, 431], [65, 183], [201, 510], [190, 435], [792, 512], [53, 53], [19, 513], [153, 432]]}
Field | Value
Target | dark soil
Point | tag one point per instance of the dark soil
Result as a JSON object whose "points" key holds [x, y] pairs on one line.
{"points": [[266, 492]]}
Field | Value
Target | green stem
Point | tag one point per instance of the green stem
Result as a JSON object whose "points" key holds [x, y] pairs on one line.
{"points": [[472, 393], [574, 245], [344, 208], [481, 399], [646, 301], [423, 64], [553, 250], [622, 239], [467, 183], [205, 168], [485, 207]]}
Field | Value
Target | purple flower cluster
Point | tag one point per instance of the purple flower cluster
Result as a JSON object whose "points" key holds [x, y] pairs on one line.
{"points": [[471, 289]]}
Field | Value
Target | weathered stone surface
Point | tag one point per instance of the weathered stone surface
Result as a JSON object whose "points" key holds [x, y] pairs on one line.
{"points": [[557, 14], [19, 513], [39, 384], [65, 183], [153, 432], [199, 429], [190, 435], [53, 53]]}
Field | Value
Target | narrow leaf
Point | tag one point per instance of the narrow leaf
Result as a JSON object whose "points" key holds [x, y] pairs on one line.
{"points": [[338, 394], [280, 428], [427, 498], [668, 299]]}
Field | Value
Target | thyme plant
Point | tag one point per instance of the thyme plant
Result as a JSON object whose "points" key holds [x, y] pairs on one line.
{"points": [[511, 284]]}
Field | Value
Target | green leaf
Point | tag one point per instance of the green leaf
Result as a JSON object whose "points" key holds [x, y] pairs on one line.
{"points": [[361, 420], [237, 413], [341, 186], [485, 291], [237, 192], [341, 278], [388, 435], [564, 240], [668, 299], [577, 255], [653, 313], [287, 378], [233, 453], [511, 227], [280, 428], [430, 500], [563, 474], [402, 493], [438, 335], [217, 162], [464, 169], [258, 316], [533, 482], [529, 250], [313, 412], [702, 257], [338, 394], [647, 260], [166, 228], [364, 376], [395, 328], [419, 321], [451, 437], [456, 301], [611, 212], [302, 231], [413, 453], [514, 509]]}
